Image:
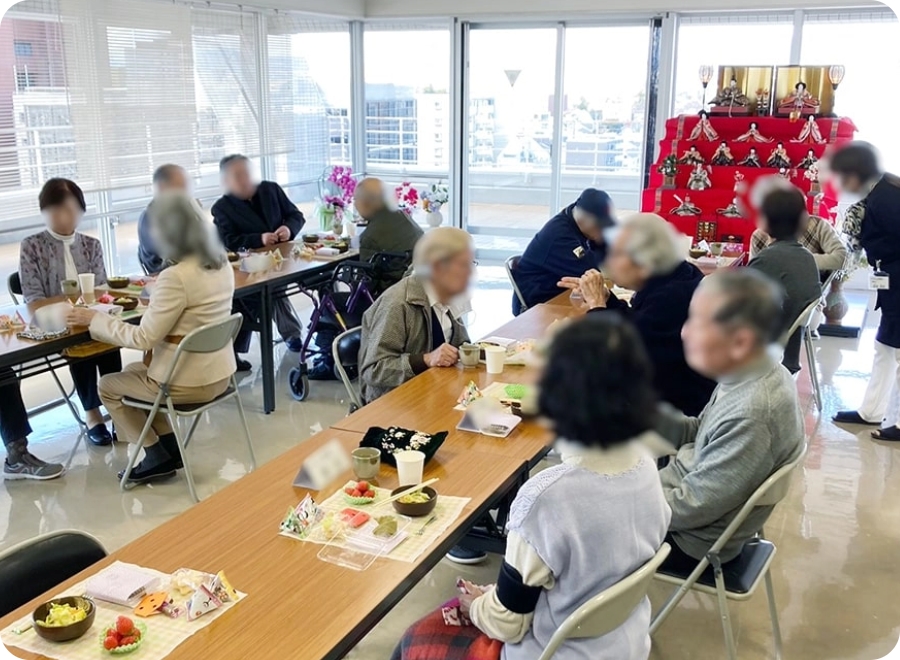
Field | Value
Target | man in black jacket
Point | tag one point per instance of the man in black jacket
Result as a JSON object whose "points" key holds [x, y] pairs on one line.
{"points": [[646, 258], [255, 215]]}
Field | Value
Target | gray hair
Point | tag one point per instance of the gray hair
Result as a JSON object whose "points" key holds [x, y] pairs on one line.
{"points": [[181, 229], [652, 243], [751, 300], [439, 244], [165, 173]]}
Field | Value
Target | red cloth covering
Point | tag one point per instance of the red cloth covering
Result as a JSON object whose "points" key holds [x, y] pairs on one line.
{"points": [[432, 639]]}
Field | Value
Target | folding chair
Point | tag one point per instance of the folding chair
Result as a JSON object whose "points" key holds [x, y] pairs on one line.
{"points": [[805, 321], [739, 579], [610, 608], [345, 350], [206, 339], [512, 265]]}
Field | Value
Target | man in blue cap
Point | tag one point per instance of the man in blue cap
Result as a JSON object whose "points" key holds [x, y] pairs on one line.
{"points": [[570, 244]]}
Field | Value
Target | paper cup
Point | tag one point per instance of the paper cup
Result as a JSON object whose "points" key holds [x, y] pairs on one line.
{"points": [[494, 357], [86, 282], [410, 467]]}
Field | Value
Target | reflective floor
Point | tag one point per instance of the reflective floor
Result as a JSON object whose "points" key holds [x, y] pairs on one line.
{"points": [[836, 573]]}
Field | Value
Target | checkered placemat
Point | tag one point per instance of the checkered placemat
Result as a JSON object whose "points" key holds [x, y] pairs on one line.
{"points": [[163, 634], [422, 532]]}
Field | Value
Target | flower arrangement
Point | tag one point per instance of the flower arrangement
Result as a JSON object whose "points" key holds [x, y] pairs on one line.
{"points": [[407, 197], [340, 185], [435, 197]]}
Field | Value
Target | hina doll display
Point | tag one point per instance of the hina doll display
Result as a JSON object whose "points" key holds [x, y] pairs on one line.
{"points": [[703, 129], [731, 211], [800, 102], [699, 179], [686, 207], [753, 135], [752, 159], [808, 161], [810, 133], [692, 157], [723, 155], [779, 157], [729, 98]]}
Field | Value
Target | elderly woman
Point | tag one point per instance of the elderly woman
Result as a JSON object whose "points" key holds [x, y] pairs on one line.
{"points": [[412, 327], [194, 290], [597, 393], [647, 259], [61, 253]]}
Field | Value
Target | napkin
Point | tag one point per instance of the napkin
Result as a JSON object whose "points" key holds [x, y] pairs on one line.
{"points": [[121, 584]]}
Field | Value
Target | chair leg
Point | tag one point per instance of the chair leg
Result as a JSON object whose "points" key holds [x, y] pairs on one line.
{"points": [[67, 397], [723, 608], [677, 596], [773, 613], [240, 407], [72, 453], [813, 369], [190, 433], [134, 451], [182, 447]]}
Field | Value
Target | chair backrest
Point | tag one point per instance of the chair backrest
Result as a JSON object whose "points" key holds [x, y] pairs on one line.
{"points": [[610, 608], [345, 351], [14, 286], [512, 265], [209, 338], [801, 321], [390, 268], [29, 569]]}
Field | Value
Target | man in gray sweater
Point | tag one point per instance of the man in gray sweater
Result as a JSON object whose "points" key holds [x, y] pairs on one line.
{"points": [[751, 426]]}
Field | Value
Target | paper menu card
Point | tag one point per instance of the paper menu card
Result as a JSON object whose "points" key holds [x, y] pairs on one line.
{"points": [[122, 584]]}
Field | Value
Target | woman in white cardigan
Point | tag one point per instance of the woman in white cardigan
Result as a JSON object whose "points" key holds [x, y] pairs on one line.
{"points": [[196, 289]]}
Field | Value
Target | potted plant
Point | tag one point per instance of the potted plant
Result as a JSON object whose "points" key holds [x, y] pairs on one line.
{"points": [[668, 168], [812, 175], [433, 199]]}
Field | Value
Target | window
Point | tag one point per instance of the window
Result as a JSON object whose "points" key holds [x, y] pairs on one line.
{"points": [[865, 95], [412, 92], [760, 40], [22, 48]]}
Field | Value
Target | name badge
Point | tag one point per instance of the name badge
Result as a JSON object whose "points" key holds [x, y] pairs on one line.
{"points": [[879, 280], [578, 252]]}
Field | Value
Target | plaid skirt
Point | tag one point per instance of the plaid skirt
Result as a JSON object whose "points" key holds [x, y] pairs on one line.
{"points": [[432, 639]]}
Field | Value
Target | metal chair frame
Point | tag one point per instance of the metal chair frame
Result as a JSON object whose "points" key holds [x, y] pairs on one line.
{"points": [[355, 399], [511, 264]]}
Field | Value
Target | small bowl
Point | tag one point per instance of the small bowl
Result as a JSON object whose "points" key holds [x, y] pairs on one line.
{"points": [[117, 282], [233, 257], [415, 510], [127, 304], [64, 633], [122, 650], [310, 238], [341, 247], [696, 254]]}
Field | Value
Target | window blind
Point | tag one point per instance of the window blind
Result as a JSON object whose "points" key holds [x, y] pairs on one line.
{"points": [[736, 19]]}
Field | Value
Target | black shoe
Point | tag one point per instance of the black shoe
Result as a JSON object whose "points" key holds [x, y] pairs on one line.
{"points": [[321, 371], [852, 417], [139, 475], [460, 554], [99, 435], [242, 364], [170, 444]]}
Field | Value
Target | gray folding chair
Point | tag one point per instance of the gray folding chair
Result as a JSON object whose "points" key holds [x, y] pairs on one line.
{"points": [[207, 339], [512, 265], [805, 321], [609, 609], [741, 576], [345, 350]]}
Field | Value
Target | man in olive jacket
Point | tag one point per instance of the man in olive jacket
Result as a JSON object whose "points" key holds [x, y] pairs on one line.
{"points": [[387, 230]]}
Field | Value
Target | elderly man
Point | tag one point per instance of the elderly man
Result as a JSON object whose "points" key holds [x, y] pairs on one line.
{"points": [[818, 236], [387, 230], [570, 244], [165, 178], [647, 259], [256, 215], [751, 427], [410, 328]]}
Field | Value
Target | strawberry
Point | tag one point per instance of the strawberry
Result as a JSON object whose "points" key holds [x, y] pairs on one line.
{"points": [[356, 493], [136, 633], [362, 486], [369, 493], [110, 643], [124, 625], [126, 641], [349, 490]]}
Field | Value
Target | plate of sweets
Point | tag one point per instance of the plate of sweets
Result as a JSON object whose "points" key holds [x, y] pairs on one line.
{"points": [[123, 636], [359, 492]]}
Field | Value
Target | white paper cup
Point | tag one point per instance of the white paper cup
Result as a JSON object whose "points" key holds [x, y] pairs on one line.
{"points": [[494, 357], [86, 283], [410, 467]]}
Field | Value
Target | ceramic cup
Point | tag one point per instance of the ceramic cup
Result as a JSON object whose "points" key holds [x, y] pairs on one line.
{"points": [[469, 355], [86, 283], [494, 357], [410, 467], [715, 249], [366, 462], [70, 289]]}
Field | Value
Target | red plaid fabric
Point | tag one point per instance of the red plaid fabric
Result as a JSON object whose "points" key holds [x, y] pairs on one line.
{"points": [[432, 639]]}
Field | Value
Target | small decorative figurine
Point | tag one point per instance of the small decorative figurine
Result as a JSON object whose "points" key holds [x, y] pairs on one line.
{"points": [[800, 102], [753, 135], [699, 179], [810, 133], [808, 161], [731, 211], [704, 129], [685, 207], [752, 159], [723, 155], [779, 157], [692, 157], [729, 98]]}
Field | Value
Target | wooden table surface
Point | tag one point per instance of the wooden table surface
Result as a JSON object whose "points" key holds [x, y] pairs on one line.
{"points": [[297, 606], [287, 270]]}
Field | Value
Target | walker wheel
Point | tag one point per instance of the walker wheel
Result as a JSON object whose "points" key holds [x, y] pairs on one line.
{"points": [[299, 383]]}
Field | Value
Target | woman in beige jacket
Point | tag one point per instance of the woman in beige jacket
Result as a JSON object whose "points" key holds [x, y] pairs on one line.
{"points": [[196, 289]]}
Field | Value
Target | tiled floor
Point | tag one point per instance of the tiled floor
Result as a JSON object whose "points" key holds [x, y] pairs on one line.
{"points": [[836, 572]]}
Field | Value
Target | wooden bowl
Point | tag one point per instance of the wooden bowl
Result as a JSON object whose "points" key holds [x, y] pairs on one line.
{"points": [[696, 254], [310, 238], [117, 282], [415, 510], [127, 304], [64, 633]]}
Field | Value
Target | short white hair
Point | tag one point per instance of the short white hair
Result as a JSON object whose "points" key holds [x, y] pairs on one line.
{"points": [[652, 243]]}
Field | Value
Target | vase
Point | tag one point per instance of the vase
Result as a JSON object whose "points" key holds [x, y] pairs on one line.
{"points": [[434, 218], [326, 219], [836, 306]]}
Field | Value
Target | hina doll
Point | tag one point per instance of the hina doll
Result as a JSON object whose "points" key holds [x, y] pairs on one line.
{"points": [[800, 102], [753, 135], [810, 133], [731, 211], [808, 161], [692, 157], [704, 129], [779, 157], [752, 159], [686, 207], [699, 179], [723, 155], [731, 96]]}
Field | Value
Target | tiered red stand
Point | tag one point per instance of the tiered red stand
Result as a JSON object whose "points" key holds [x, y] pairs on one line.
{"points": [[661, 200]]}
